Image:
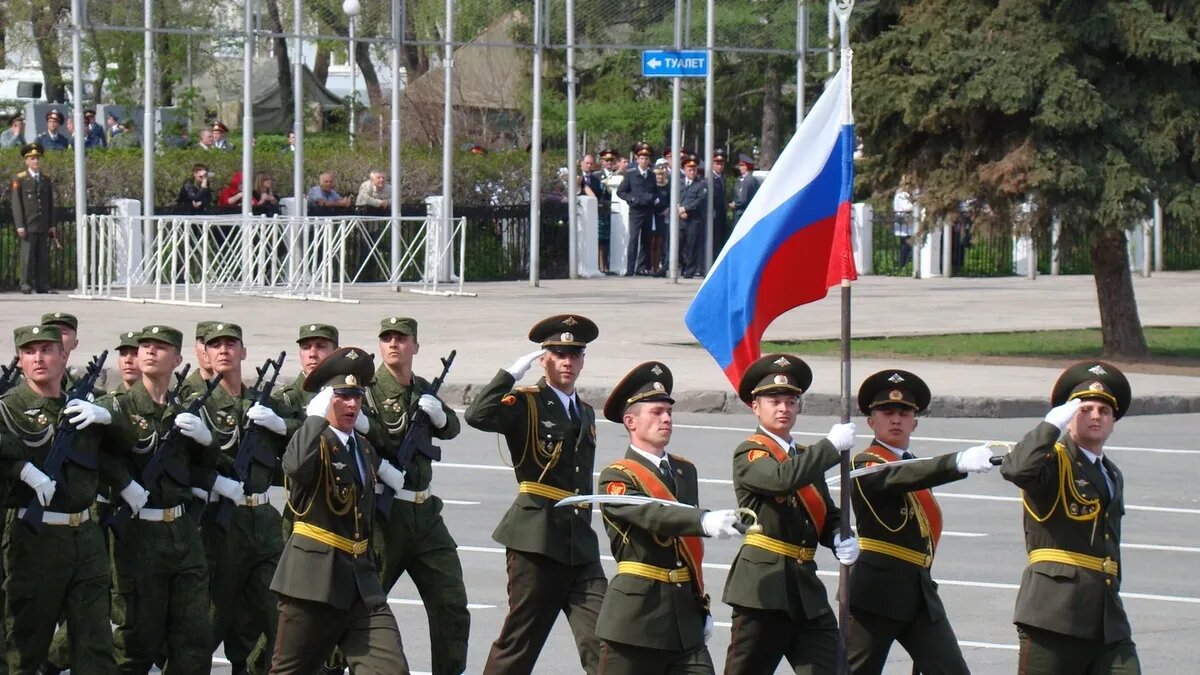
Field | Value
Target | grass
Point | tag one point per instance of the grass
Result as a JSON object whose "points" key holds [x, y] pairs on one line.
{"points": [[1172, 343]]}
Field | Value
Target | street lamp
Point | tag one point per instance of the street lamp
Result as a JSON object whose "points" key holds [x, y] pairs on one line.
{"points": [[352, 8]]}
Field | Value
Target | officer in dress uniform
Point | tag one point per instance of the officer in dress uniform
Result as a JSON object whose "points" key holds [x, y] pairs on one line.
{"points": [[1069, 615], [553, 554], [32, 200], [639, 189], [892, 595], [693, 204], [780, 608], [655, 619], [720, 214], [53, 138], [329, 591], [744, 186]]}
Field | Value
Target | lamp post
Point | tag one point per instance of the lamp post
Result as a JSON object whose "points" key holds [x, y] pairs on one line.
{"points": [[352, 8]]}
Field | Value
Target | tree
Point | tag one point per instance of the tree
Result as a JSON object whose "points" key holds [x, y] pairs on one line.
{"points": [[282, 63], [44, 17], [1087, 109]]}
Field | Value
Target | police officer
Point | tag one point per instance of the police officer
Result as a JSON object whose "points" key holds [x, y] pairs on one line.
{"points": [[892, 595], [639, 189], [1069, 614], [553, 554], [780, 609], [744, 187], [655, 619], [329, 591], [412, 537], [720, 214], [32, 200], [693, 204], [53, 138]]}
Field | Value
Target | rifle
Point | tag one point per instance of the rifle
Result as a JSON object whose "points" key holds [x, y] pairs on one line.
{"points": [[63, 448], [416, 439], [119, 519], [9, 374], [250, 450]]}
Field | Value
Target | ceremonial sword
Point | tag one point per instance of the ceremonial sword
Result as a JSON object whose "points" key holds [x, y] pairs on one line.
{"points": [[747, 523], [884, 466]]}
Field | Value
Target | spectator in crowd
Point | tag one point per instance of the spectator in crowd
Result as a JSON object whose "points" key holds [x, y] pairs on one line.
{"points": [[53, 138], [219, 141], [14, 135], [374, 193], [902, 219], [622, 164], [206, 140], [961, 224], [93, 133], [291, 142], [661, 230], [693, 204], [638, 190], [125, 136], [744, 188], [113, 126], [323, 195], [231, 195], [589, 182], [195, 195], [609, 180], [266, 202]]}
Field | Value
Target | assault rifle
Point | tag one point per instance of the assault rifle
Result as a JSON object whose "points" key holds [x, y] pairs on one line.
{"points": [[63, 448], [10, 375], [160, 462], [251, 450], [416, 439]]}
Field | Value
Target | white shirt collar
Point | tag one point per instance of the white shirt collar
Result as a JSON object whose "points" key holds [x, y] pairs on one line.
{"points": [[654, 459], [35, 174], [786, 444], [1091, 456], [563, 397], [342, 436], [898, 451]]}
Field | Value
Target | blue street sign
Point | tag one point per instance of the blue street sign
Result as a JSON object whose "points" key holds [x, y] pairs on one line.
{"points": [[670, 63]]}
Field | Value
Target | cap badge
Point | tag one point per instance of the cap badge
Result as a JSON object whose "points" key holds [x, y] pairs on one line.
{"points": [[392, 320], [567, 337], [781, 379], [782, 362], [570, 321], [130, 333], [1096, 386], [896, 378], [152, 330], [896, 395], [36, 330], [312, 327], [658, 386], [656, 370], [351, 381], [1097, 370], [58, 315], [220, 326], [352, 355]]}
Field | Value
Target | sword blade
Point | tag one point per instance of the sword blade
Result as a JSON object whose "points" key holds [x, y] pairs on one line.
{"points": [[867, 470], [618, 499]]}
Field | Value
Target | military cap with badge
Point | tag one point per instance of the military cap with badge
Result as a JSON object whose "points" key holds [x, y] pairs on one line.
{"points": [[34, 149], [648, 382], [222, 329], [27, 335], [564, 332], [128, 340], [1094, 380], [164, 334], [398, 324], [893, 388], [60, 319], [318, 330], [774, 374]]}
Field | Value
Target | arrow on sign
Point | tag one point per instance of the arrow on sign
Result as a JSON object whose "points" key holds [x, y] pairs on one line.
{"points": [[654, 63]]}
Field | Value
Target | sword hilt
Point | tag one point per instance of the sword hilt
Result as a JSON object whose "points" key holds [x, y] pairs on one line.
{"points": [[747, 522]]}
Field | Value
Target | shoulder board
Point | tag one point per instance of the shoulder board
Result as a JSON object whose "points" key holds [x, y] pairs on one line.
{"points": [[23, 174], [530, 389], [679, 459]]}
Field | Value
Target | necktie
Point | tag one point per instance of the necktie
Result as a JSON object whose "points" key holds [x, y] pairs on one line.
{"points": [[689, 184], [664, 468], [573, 411], [1108, 488], [352, 448]]}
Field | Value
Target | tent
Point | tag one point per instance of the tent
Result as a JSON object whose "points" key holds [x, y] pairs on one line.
{"points": [[221, 88]]}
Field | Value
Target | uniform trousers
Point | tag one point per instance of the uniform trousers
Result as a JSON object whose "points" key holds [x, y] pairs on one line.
{"points": [[1045, 652], [617, 658], [308, 631], [931, 644], [35, 261], [760, 638]]}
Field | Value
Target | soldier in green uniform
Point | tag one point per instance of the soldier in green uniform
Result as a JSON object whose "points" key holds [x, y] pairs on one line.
{"points": [[161, 581], [32, 200], [329, 591], [203, 370], [553, 554], [892, 595], [655, 619], [1069, 615], [127, 361], [61, 570], [68, 327], [241, 561], [780, 608], [412, 537]]}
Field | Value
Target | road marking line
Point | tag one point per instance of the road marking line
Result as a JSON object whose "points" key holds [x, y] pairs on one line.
{"points": [[459, 502], [987, 645], [950, 533], [1162, 547], [419, 603]]}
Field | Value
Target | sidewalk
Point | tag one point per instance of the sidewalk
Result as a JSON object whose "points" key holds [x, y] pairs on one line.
{"points": [[642, 319]]}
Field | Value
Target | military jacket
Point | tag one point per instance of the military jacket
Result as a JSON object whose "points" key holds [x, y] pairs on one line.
{"points": [[225, 416], [638, 191], [544, 447], [32, 202], [325, 492], [886, 510], [694, 199], [388, 403], [55, 141], [193, 384], [744, 188], [761, 579], [293, 398], [27, 428], [641, 611], [1068, 508]]}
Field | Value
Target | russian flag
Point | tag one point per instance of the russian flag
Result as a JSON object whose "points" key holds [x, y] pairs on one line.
{"points": [[793, 242]]}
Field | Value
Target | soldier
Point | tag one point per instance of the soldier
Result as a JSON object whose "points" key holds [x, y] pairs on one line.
{"points": [[14, 135], [161, 582], [892, 595], [720, 230], [68, 328], [241, 561], [32, 199], [127, 361], [655, 617], [693, 204], [780, 609], [639, 190], [203, 370], [412, 536], [744, 187], [553, 555], [219, 141], [53, 138], [1069, 615], [329, 591]]}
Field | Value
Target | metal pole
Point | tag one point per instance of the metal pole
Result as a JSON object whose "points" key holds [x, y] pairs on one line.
{"points": [[1147, 244], [1055, 252], [1158, 236], [801, 57], [397, 55], [81, 242], [572, 169], [831, 33], [148, 234], [676, 104], [710, 41], [353, 82], [947, 245], [843, 17], [535, 150], [247, 122], [299, 200], [447, 137]]}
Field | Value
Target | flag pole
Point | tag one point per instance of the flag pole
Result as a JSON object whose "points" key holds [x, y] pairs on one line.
{"points": [[842, 8]]}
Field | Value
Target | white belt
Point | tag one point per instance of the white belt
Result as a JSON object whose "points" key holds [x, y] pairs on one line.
{"points": [[101, 499], [407, 495], [56, 518], [160, 515], [249, 500]]}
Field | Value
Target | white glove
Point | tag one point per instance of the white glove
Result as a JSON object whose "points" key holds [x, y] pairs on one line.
{"points": [[433, 408], [40, 482], [267, 419], [845, 551], [1062, 415], [977, 459], [193, 427], [319, 405], [86, 414], [521, 365], [708, 628], [135, 496], [361, 424], [229, 488], [842, 436], [719, 524], [200, 493], [391, 476]]}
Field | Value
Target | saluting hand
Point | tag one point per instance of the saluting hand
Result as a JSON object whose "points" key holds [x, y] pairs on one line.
{"points": [[1062, 415], [522, 364], [319, 405]]}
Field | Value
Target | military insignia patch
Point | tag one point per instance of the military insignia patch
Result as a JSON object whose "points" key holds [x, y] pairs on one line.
{"points": [[658, 386], [616, 488], [570, 321], [509, 400], [782, 362], [757, 454], [1081, 482], [781, 379], [567, 337], [1073, 508], [1096, 386], [896, 395], [353, 356], [339, 465], [548, 423], [896, 378], [656, 370], [1097, 370]]}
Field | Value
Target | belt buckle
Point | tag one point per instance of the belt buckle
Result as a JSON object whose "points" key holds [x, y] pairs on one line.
{"points": [[75, 519], [1109, 566], [168, 515], [251, 500], [676, 576], [419, 497]]}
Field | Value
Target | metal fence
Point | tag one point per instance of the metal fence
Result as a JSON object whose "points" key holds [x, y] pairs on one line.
{"points": [[62, 255]]}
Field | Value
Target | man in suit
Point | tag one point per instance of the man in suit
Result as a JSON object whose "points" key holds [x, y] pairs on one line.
{"points": [[892, 595], [639, 190], [780, 608], [693, 204], [553, 554], [656, 618], [1069, 615], [329, 591], [32, 199], [744, 187]]}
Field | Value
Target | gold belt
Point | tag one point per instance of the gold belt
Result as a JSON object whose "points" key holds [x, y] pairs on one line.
{"points": [[783, 548], [637, 569], [355, 548], [1089, 562], [908, 555], [529, 487]]}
